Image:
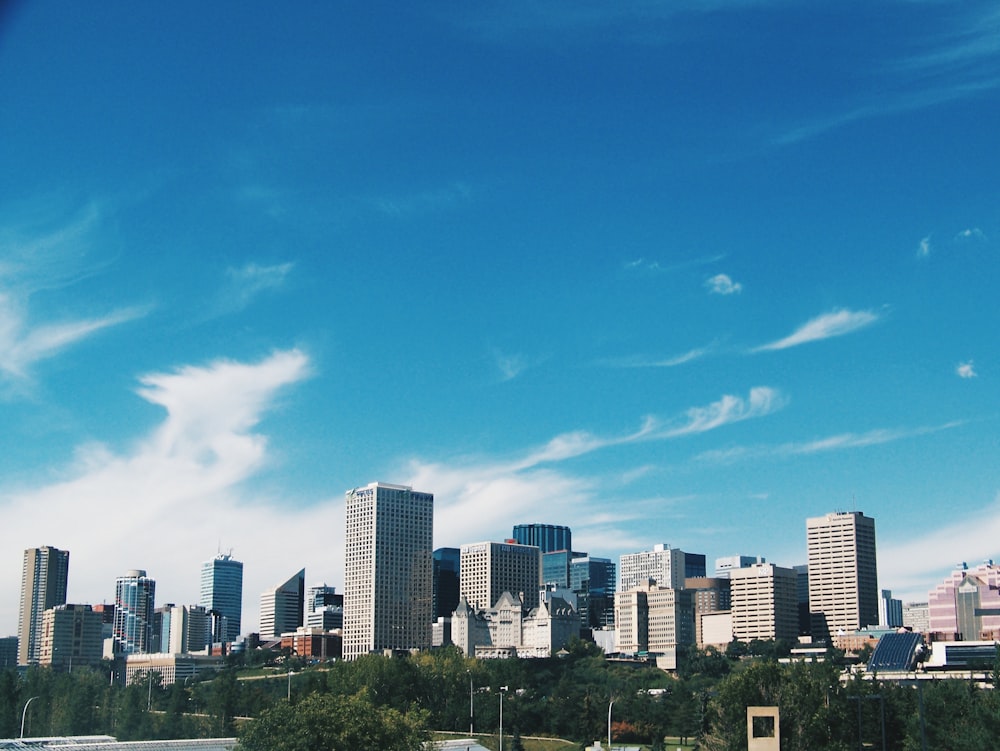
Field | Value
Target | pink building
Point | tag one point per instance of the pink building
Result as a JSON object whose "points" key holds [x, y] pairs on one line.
{"points": [[966, 605]]}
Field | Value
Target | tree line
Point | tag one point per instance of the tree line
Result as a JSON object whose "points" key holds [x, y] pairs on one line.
{"points": [[281, 704]]}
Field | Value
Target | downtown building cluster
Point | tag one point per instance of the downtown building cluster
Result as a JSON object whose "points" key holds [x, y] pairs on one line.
{"points": [[523, 596]]}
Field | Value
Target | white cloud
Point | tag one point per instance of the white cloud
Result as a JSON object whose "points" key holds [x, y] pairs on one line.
{"points": [[966, 370], [924, 249], [906, 566], [834, 323], [166, 503], [722, 284]]}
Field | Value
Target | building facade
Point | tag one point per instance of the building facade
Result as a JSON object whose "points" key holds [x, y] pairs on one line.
{"points": [[135, 595], [764, 602], [447, 562], [594, 582], [44, 575], [663, 564], [843, 573], [222, 595], [281, 608], [388, 575], [890, 610], [656, 620], [510, 629], [71, 637], [546, 537], [966, 605], [488, 569]]}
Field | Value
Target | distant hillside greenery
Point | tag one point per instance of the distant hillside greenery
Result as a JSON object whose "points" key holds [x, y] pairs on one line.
{"points": [[394, 703]]}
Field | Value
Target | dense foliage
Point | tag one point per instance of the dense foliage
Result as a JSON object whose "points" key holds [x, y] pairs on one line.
{"points": [[567, 697]]}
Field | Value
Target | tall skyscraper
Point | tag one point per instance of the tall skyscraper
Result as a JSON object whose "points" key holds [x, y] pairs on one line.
{"points": [[388, 577], [843, 573], [281, 608], [663, 564], [593, 582], [135, 595], [546, 537], [43, 586], [222, 595], [446, 582], [489, 569]]}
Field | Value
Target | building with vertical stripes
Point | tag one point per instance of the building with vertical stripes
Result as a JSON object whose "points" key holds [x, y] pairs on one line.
{"points": [[43, 585], [388, 571], [843, 573]]}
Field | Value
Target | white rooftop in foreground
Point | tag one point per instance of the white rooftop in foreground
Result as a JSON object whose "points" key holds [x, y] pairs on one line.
{"points": [[107, 743]]}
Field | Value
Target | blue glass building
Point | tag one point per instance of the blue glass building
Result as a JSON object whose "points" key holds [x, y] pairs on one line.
{"points": [[222, 595]]}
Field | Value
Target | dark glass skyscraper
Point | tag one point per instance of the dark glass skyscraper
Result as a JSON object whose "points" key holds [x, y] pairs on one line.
{"points": [[546, 537], [222, 595], [446, 581]]}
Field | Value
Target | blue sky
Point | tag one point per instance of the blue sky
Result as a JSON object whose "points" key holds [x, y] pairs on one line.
{"points": [[680, 272]]}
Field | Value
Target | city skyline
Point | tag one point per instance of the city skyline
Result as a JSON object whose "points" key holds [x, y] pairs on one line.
{"points": [[658, 274]]}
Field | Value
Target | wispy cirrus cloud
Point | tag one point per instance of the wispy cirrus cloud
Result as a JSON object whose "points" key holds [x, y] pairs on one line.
{"points": [[924, 247], [483, 495], [826, 326], [425, 201], [245, 284], [47, 255], [966, 370], [653, 266], [838, 442], [509, 365], [722, 284], [639, 361], [972, 234], [962, 50]]}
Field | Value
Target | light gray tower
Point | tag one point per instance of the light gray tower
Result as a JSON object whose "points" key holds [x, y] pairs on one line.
{"points": [[43, 586], [222, 595], [281, 607], [843, 574], [388, 583]]}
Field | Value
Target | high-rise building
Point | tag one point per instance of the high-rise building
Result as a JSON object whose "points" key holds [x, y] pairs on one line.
{"points": [[8, 652], [890, 610], [917, 617], [663, 564], [727, 563], [324, 608], [43, 586], [546, 537], [655, 619], [843, 573], [764, 602], [966, 605], [222, 595], [388, 577], [447, 562], [71, 636], [488, 569], [593, 581], [135, 594], [281, 607]]}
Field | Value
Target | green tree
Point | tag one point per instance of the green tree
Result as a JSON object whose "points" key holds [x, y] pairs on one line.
{"points": [[327, 722]]}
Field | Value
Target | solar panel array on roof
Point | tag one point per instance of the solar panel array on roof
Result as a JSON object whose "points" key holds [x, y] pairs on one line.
{"points": [[895, 652]]}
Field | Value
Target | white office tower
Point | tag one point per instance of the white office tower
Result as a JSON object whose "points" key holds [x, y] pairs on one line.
{"points": [[388, 585], [663, 564], [281, 607], [488, 569], [843, 574], [43, 586]]}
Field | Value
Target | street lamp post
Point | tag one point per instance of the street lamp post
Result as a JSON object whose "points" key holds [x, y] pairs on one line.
{"points": [[470, 702], [610, 704], [503, 690], [24, 713]]}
